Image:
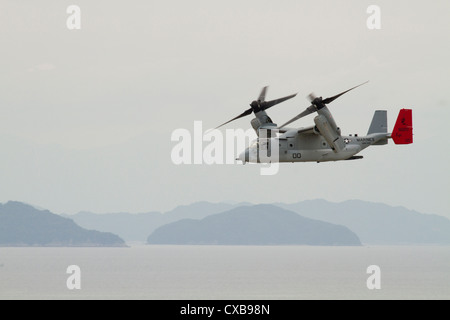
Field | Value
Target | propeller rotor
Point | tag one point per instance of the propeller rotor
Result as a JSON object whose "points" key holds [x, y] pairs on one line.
{"points": [[318, 103], [260, 105]]}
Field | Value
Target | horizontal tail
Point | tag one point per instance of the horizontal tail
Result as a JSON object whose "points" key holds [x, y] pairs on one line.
{"points": [[403, 129]]}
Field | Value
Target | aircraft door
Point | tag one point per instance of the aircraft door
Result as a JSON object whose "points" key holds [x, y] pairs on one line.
{"points": [[283, 149], [282, 145]]}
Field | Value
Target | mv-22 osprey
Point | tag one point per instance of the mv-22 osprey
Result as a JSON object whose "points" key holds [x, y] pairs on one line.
{"points": [[323, 140]]}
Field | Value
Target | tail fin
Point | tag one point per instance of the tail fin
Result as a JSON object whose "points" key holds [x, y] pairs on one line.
{"points": [[379, 122], [403, 129], [379, 125]]}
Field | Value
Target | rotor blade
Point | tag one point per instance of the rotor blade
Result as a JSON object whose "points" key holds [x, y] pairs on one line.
{"points": [[311, 97], [331, 99], [307, 111], [245, 113], [262, 95], [271, 103]]}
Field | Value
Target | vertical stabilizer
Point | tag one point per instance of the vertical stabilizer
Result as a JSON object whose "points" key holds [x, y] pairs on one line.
{"points": [[403, 129], [379, 122], [379, 125]]}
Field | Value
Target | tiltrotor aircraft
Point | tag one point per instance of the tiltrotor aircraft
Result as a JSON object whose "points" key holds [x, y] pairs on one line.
{"points": [[320, 142]]}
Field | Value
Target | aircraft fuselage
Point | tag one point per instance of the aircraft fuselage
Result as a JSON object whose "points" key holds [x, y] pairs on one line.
{"points": [[308, 148]]}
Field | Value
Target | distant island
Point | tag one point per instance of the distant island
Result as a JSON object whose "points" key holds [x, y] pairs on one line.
{"points": [[378, 223], [136, 227], [254, 225], [23, 225], [372, 223]]}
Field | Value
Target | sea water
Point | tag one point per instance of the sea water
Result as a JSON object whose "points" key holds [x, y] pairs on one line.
{"points": [[226, 272]]}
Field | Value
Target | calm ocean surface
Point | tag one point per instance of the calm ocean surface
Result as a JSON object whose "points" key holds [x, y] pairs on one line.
{"points": [[226, 272]]}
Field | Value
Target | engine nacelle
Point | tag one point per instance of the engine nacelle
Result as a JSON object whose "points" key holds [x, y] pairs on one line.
{"points": [[255, 124], [333, 138]]}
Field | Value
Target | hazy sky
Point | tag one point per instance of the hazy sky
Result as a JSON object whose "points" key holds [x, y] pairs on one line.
{"points": [[86, 115]]}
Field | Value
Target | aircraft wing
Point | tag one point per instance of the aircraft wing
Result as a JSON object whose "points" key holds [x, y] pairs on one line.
{"points": [[291, 133], [306, 130], [271, 126]]}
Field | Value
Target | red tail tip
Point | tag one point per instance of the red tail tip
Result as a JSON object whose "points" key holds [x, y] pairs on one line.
{"points": [[403, 129]]}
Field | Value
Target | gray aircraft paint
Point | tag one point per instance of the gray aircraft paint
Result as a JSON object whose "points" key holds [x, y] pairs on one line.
{"points": [[308, 145]]}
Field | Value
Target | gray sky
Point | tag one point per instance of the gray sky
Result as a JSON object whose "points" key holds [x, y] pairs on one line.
{"points": [[86, 115]]}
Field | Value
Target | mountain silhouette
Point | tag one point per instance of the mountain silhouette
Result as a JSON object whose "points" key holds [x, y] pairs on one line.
{"points": [[377, 223], [23, 225], [137, 226], [254, 225]]}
